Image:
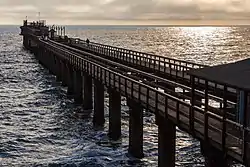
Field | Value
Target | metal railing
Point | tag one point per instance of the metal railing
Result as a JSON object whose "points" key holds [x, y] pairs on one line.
{"points": [[176, 69], [153, 60], [185, 94], [218, 130]]}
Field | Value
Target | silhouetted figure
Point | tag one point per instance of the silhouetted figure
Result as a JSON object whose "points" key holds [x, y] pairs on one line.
{"points": [[87, 41]]}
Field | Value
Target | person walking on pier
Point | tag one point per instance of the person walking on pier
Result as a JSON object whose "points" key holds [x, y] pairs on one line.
{"points": [[87, 41]]}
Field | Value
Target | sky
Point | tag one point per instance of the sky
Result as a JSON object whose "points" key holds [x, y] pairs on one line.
{"points": [[115, 12]]}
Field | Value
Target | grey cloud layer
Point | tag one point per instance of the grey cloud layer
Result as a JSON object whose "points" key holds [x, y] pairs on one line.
{"points": [[75, 10]]}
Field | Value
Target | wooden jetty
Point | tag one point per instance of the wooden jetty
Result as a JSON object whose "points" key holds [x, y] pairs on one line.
{"points": [[173, 69], [149, 83]]}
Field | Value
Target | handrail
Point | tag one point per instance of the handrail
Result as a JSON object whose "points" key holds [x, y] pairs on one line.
{"points": [[153, 60], [176, 94], [88, 66], [128, 78], [146, 54], [160, 79], [156, 103], [186, 88], [175, 69]]}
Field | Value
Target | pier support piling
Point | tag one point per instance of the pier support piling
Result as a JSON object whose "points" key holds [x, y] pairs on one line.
{"points": [[63, 73], [135, 129], [25, 42], [54, 70], [46, 60], [98, 119], [166, 142], [87, 99], [224, 136], [213, 156], [49, 59], [114, 114], [43, 58], [58, 70], [78, 87], [70, 80]]}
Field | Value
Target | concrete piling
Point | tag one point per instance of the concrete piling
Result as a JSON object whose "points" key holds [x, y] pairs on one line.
{"points": [[166, 142], [53, 64], [77, 69], [63, 73], [98, 119], [87, 98], [114, 114], [135, 129], [78, 87], [70, 80], [213, 157], [58, 70]]}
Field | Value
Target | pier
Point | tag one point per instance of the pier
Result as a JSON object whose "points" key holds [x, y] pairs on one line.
{"points": [[180, 94]]}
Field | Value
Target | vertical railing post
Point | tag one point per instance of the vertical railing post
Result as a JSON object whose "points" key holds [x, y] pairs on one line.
{"points": [[148, 96], [245, 149], [105, 77], [191, 114], [114, 80], [164, 66], [178, 112], [176, 70], [109, 79], [156, 101], [154, 63], [140, 61], [205, 112], [170, 69], [139, 93], [224, 118], [126, 85], [159, 68], [132, 89]]}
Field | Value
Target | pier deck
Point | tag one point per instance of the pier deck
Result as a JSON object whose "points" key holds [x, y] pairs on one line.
{"points": [[170, 68], [148, 82]]}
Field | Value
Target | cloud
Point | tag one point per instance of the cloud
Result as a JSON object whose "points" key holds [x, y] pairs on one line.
{"points": [[85, 11]]}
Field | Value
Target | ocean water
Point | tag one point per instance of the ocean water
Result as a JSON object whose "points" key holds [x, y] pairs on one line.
{"points": [[39, 126]]}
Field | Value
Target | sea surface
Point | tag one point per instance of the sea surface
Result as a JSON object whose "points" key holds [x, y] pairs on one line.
{"points": [[39, 126]]}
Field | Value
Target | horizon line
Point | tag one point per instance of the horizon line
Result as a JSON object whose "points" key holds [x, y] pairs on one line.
{"points": [[145, 25]]}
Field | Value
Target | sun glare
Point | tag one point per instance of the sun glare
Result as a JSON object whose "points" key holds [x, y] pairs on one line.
{"points": [[204, 32]]}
